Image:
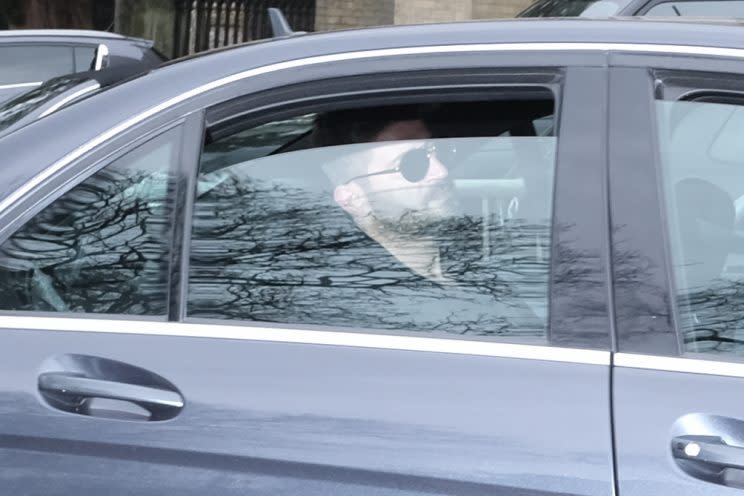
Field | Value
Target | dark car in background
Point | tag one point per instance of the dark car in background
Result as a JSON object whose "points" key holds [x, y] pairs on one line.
{"points": [[622, 8], [205, 290], [30, 57]]}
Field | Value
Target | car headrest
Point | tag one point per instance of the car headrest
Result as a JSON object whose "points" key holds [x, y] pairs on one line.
{"points": [[706, 227]]}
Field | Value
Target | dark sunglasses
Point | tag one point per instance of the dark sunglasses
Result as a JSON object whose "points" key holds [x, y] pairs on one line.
{"points": [[414, 164]]}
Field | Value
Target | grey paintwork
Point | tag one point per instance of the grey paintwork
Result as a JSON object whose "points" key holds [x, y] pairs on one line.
{"points": [[674, 404], [280, 418], [652, 407], [265, 417]]}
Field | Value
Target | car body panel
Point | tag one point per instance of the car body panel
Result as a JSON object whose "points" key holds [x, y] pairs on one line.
{"points": [[178, 80], [270, 416], [274, 410], [661, 393]]}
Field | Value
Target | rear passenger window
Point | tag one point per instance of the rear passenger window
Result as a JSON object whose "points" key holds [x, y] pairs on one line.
{"points": [[84, 56], [34, 63], [702, 157], [428, 218]]}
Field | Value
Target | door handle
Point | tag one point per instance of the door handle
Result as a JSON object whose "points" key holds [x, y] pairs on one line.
{"points": [[73, 383], [708, 450]]}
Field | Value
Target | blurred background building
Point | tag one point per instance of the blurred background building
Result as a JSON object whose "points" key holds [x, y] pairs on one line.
{"points": [[180, 27]]}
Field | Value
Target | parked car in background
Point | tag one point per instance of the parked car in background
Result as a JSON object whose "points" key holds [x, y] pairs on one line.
{"points": [[59, 92], [30, 57], [483, 258], [662, 8]]}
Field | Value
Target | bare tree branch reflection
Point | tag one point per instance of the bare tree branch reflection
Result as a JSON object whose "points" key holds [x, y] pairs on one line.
{"points": [[101, 248], [276, 251]]}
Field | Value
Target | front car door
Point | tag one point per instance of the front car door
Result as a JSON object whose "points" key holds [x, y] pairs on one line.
{"points": [[241, 301], [677, 249]]}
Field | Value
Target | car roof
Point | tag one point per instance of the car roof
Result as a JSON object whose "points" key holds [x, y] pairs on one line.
{"points": [[683, 31], [706, 31], [177, 80], [79, 33]]}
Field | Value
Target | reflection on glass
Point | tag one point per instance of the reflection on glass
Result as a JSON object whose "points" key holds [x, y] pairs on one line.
{"points": [[103, 246], [703, 178], [429, 235]]}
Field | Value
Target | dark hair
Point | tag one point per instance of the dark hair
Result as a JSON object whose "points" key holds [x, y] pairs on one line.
{"points": [[362, 125]]}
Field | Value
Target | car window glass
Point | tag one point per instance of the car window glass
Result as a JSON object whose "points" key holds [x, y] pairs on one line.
{"points": [[102, 247], [84, 58], [603, 8], [417, 218], [34, 63], [702, 158], [723, 8]]}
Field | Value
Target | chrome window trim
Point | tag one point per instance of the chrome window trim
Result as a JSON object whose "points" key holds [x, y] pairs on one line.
{"points": [[298, 336], [677, 364], [20, 85], [339, 57]]}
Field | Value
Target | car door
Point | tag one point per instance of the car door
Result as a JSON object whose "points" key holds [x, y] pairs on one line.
{"points": [[200, 308], [676, 211]]}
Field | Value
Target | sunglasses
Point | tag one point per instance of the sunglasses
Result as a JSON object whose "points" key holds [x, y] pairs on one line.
{"points": [[414, 164]]}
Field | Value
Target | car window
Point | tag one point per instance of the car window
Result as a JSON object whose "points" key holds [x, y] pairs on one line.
{"points": [[84, 58], [702, 158], [34, 63], [414, 218], [723, 8], [101, 247]]}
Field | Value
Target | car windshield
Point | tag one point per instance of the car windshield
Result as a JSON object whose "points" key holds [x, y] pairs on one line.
{"points": [[16, 109], [574, 8]]}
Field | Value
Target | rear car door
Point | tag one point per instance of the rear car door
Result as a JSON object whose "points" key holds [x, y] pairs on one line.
{"points": [[677, 209], [198, 307]]}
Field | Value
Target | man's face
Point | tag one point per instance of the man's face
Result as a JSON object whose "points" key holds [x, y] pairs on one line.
{"points": [[396, 202]]}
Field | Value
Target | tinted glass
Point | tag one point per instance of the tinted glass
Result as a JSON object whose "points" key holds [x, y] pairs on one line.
{"points": [[431, 224], [703, 177], [84, 56], [103, 246], [34, 63], [723, 8]]}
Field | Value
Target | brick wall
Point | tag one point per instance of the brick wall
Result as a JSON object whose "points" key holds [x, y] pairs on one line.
{"points": [[341, 14], [492, 9], [417, 11]]}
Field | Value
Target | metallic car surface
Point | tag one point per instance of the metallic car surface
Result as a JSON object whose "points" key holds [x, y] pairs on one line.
{"points": [[273, 409]]}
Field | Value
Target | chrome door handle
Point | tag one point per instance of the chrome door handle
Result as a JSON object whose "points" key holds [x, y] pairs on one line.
{"points": [[72, 393], [708, 450]]}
